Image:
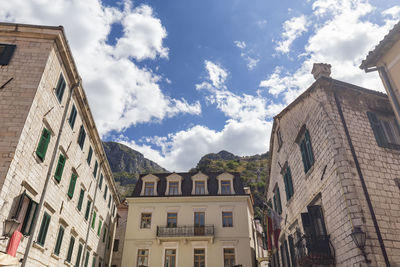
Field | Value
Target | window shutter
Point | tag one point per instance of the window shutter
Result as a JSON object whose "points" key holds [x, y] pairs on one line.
{"points": [[104, 234], [317, 220], [43, 229], [89, 203], [60, 88], [290, 182], [87, 259], [305, 219], [99, 228], [78, 256], [8, 52], [43, 144], [377, 129], [30, 214], [285, 180], [70, 248], [60, 167], [80, 201], [310, 153], [89, 158], [94, 261], [101, 181], [59, 240], [278, 198], [304, 155], [105, 192], [72, 117], [72, 183], [291, 249], [96, 165], [94, 219]]}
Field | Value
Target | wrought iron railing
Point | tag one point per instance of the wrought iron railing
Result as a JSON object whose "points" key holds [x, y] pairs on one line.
{"points": [[187, 230], [315, 250]]}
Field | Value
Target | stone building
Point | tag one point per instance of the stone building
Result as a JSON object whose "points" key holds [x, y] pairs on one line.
{"points": [[334, 177], [190, 219], [122, 216], [55, 180]]}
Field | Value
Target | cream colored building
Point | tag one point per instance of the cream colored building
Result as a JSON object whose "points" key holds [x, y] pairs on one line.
{"points": [[54, 176], [189, 219], [334, 175], [385, 58]]}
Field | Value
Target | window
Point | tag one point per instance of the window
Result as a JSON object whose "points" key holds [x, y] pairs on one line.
{"points": [[105, 192], [99, 227], [199, 222], [109, 201], [199, 257], [81, 137], [59, 168], [279, 138], [79, 255], [199, 187], [225, 187], [104, 233], [59, 240], [70, 248], [173, 188], [86, 259], [145, 220], [43, 144], [113, 209], [60, 88], [72, 183], [227, 219], [87, 212], [101, 181], [116, 245], [80, 201], [287, 178], [94, 261], [89, 157], [306, 151], [93, 219], [170, 258], [96, 165], [6, 52], [25, 212], [313, 222], [277, 200], [386, 130], [149, 188], [143, 258], [172, 219], [72, 116], [43, 229], [285, 255], [229, 257], [291, 248]]}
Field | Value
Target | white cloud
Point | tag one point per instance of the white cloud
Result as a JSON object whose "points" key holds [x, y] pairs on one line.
{"points": [[261, 23], [240, 44], [293, 29], [251, 61], [130, 94], [217, 74], [342, 38]]}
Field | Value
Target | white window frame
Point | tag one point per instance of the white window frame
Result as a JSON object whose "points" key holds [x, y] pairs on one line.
{"points": [[225, 177], [174, 178], [149, 178], [200, 177]]}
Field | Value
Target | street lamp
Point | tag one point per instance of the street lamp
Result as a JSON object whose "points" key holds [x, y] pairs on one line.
{"points": [[359, 237], [10, 225]]}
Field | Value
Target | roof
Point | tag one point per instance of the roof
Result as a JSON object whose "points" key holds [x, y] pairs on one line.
{"points": [[384, 45], [187, 184]]}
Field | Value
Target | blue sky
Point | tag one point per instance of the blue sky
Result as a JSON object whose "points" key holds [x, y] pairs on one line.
{"points": [[178, 79]]}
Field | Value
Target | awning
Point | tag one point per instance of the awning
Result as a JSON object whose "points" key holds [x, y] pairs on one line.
{"points": [[7, 260]]}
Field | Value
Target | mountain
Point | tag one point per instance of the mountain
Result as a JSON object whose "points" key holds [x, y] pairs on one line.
{"points": [[253, 171], [126, 165]]}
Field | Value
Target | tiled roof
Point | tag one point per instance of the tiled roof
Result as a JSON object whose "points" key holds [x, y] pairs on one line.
{"points": [[383, 46], [187, 184]]}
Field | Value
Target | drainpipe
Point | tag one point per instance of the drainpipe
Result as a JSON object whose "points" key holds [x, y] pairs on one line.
{"points": [[361, 176], [91, 215], [49, 172]]}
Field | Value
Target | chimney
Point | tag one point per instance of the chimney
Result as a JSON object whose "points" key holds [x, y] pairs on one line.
{"points": [[321, 69]]}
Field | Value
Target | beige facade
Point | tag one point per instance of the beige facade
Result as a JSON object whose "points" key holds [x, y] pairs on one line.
{"points": [[122, 214], [44, 161], [334, 169], [206, 221]]}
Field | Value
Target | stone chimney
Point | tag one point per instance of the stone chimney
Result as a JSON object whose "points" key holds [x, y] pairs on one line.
{"points": [[321, 69]]}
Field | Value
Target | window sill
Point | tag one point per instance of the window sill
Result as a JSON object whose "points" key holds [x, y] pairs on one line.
{"points": [[310, 170], [289, 201], [38, 246], [67, 263], [55, 256]]}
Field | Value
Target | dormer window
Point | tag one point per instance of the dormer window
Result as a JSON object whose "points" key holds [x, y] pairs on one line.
{"points": [[225, 182], [149, 188], [200, 187], [225, 187], [173, 188]]}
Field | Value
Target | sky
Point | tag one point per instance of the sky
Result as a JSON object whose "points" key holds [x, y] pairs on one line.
{"points": [[178, 79]]}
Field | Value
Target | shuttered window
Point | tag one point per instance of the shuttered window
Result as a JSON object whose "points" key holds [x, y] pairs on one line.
{"points": [[43, 229], [86, 259], [80, 201], [89, 203], [79, 255], [6, 53], [105, 192], [59, 241], [386, 130], [307, 154], [287, 178], [81, 137], [70, 248], [72, 116], [25, 213], [109, 201], [277, 200], [89, 157], [60, 88], [94, 219], [96, 166], [99, 227], [72, 184], [104, 234], [43, 144], [101, 181], [60, 167], [291, 248], [94, 261]]}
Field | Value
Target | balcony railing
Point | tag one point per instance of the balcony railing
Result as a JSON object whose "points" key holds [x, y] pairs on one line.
{"points": [[315, 251], [185, 231]]}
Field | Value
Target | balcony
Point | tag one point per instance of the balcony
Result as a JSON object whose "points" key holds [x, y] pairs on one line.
{"points": [[187, 232], [314, 251]]}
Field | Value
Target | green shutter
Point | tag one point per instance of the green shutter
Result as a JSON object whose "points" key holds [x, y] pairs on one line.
{"points": [[88, 209], [43, 229], [96, 165], [377, 129], [80, 201], [78, 256], [104, 234], [60, 88], [105, 192], [60, 167], [70, 248], [93, 219], [99, 228], [101, 181], [94, 261], [81, 137], [72, 116], [87, 259], [310, 153], [72, 183], [43, 144], [89, 158], [304, 155], [59, 240]]}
